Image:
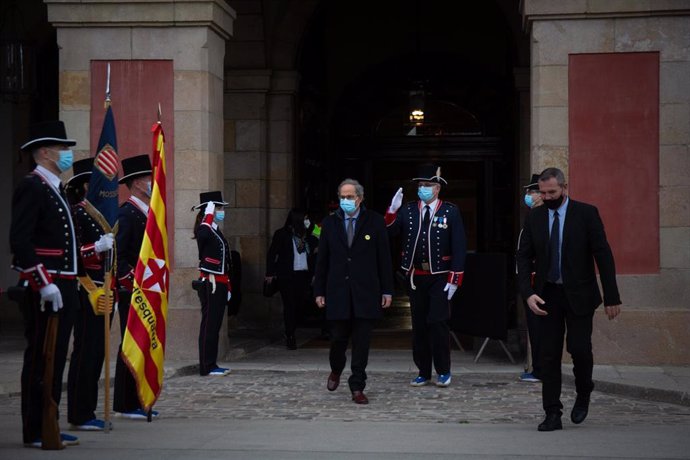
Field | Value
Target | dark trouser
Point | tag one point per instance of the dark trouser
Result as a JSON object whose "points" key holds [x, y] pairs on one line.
{"points": [[430, 331], [534, 334], [578, 343], [360, 331], [125, 398], [294, 291], [35, 323], [213, 307], [85, 363]]}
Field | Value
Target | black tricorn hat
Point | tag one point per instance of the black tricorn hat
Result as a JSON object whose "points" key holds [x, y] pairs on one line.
{"points": [[533, 183], [47, 133], [82, 172], [206, 197], [134, 167], [430, 173]]}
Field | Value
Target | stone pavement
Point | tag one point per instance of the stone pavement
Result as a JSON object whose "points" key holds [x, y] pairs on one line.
{"points": [[274, 405]]}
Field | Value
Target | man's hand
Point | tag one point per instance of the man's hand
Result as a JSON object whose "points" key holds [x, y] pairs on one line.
{"points": [[210, 208], [612, 310], [533, 303], [51, 293], [396, 202], [104, 243], [386, 300], [320, 301], [229, 296], [450, 289]]}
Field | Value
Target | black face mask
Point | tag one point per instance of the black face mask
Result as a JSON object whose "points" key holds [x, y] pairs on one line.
{"points": [[554, 204]]}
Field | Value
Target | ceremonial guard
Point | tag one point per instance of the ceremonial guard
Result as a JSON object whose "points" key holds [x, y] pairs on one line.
{"points": [[213, 285], [88, 348], [433, 257], [130, 235], [44, 250]]}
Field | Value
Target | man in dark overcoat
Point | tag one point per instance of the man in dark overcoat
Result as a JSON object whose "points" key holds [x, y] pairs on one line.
{"points": [[353, 281], [565, 238]]}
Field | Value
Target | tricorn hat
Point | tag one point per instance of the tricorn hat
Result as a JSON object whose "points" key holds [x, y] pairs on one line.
{"points": [[206, 197], [134, 167], [430, 173], [533, 183], [47, 133], [82, 172]]}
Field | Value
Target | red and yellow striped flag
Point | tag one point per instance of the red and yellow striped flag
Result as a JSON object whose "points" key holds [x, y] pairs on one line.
{"points": [[143, 346]]}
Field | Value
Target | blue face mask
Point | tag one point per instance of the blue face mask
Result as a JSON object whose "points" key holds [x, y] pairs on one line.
{"points": [[220, 216], [65, 160], [425, 193], [149, 191], [348, 206], [528, 200]]}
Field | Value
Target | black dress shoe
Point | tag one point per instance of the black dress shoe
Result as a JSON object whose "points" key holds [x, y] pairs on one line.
{"points": [[580, 409], [552, 422], [359, 397], [333, 381]]}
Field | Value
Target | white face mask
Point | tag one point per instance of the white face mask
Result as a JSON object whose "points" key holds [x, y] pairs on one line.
{"points": [[307, 223], [148, 190]]}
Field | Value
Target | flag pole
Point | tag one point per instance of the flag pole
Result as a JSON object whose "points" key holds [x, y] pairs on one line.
{"points": [[107, 281]]}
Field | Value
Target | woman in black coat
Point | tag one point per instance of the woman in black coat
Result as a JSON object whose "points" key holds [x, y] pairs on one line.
{"points": [[290, 261], [213, 286]]}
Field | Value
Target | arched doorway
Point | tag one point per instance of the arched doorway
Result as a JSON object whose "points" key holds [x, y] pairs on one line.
{"points": [[364, 64]]}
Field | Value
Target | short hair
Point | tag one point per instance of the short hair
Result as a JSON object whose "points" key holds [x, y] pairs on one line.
{"points": [[359, 190], [556, 173]]}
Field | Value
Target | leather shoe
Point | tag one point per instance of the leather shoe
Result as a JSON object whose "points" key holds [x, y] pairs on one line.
{"points": [[580, 409], [359, 397], [333, 381], [552, 422]]}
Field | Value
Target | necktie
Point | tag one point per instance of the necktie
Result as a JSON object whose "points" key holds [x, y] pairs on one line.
{"points": [[427, 215], [554, 250], [350, 230]]}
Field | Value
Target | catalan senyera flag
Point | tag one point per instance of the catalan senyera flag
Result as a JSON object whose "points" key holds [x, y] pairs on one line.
{"points": [[143, 346]]}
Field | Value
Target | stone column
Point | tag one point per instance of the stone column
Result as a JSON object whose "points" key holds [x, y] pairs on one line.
{"points": [[192, 34]]}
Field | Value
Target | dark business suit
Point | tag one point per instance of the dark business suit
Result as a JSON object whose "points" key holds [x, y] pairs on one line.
{"points": [[353, 280], [570, 305]]}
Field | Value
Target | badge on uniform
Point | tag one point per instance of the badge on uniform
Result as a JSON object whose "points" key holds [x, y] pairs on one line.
{"points": [[367, 237]]}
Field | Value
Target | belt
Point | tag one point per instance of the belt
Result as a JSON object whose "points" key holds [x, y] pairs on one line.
{"points": [[225, 279]]}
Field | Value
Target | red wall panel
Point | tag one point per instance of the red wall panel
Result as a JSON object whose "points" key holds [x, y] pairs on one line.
{"points": [[136, 89], [613, 112]]}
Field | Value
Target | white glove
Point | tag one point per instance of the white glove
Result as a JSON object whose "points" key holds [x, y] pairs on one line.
{"points": [[229, 296], [51, 293], [104, 243], [450, 288], [396, 202], [210, 208]]}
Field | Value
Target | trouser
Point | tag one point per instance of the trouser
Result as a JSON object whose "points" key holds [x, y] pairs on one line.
{"points": [[578, 342], [359, 330], [430, 332], [294, 291], [86, 363], [125, 398], [534, 335], [35, 323], [213, 306]]}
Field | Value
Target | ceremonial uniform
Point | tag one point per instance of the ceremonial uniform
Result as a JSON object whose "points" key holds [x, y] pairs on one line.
{"points": [[215, 288], [433, 255], [44, 250], [88, 347], [130, 235]]}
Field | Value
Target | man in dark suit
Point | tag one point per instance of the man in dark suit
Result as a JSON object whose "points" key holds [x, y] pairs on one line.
{"points": [[565, 238], [353, 281]]}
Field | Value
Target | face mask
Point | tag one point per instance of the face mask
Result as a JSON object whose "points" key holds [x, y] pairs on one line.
{"points": [[554, 204], [348, 206], [528, 200], [65, 160], [220, 216], [148, 189], [425, 193], [307, 223]]}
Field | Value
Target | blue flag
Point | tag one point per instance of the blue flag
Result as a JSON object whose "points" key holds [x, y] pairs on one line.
{"points": [[103, 186]]}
